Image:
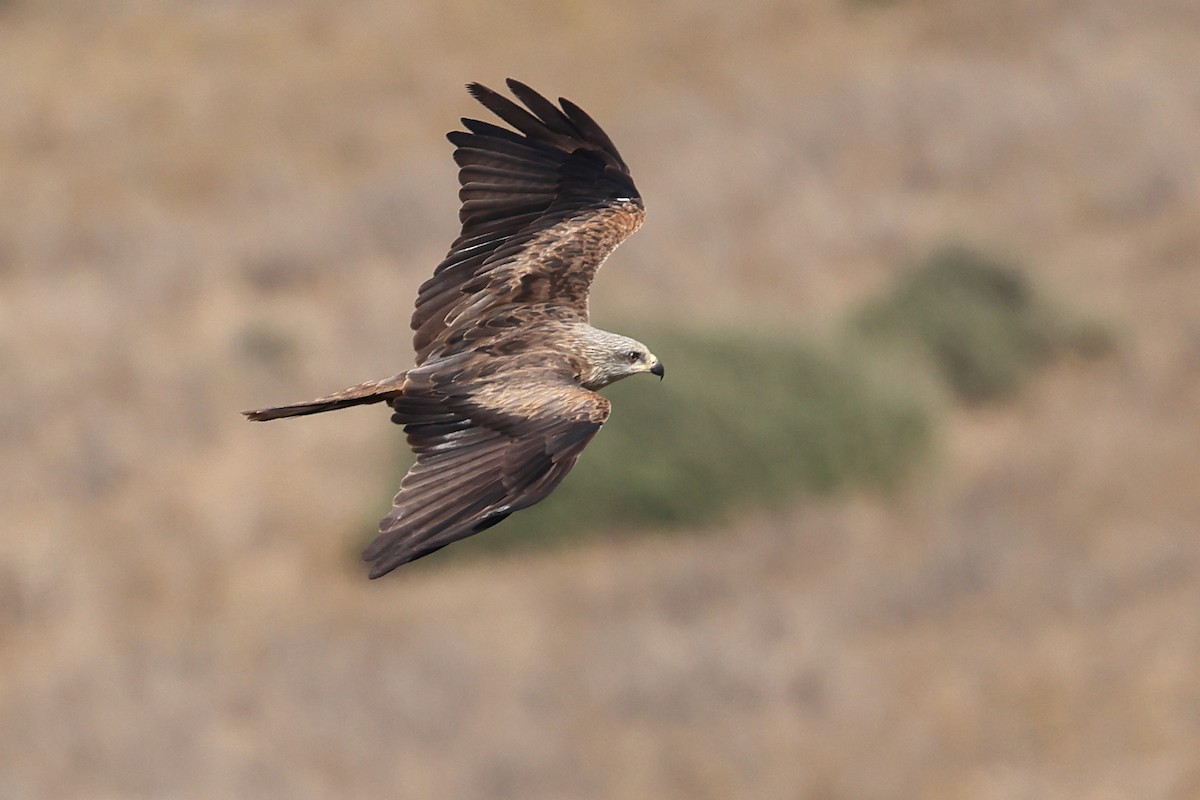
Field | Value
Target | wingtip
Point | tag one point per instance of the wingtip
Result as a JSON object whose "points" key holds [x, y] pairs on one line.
{"points": [[478, 90], [518, 88], [380, 566]]}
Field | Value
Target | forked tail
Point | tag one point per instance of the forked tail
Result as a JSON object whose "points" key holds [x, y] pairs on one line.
{"points": [[369, 392]]}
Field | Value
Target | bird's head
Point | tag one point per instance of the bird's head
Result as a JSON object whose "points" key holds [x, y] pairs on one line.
{"points": [[612, 357]]}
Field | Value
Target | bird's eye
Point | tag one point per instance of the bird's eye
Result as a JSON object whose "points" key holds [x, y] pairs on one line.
{"points": [[633, 356]]}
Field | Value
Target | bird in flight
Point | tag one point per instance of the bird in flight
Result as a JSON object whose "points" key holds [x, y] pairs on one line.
{"points": [[502, 399]]}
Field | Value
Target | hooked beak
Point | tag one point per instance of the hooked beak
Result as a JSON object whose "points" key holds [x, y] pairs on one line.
{"points": [[658, 370]]}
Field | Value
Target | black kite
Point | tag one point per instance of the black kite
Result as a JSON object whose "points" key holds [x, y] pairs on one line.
{"points": [[502, 400]]}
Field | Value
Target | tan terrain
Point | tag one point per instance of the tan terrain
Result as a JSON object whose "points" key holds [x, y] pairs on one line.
{"points": [[206, 207]]}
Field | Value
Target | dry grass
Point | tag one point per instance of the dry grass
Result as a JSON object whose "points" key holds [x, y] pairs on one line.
{"points": [[205, 207]]}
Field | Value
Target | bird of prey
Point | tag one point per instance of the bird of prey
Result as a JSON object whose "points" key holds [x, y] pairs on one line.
{"points": [[502, 399]]}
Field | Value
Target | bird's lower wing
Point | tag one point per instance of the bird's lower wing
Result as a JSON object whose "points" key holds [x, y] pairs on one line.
{"points": [[480, 457]]}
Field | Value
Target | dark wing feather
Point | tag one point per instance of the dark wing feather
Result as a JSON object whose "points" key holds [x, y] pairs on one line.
{"points": [[484, 450], [542, 206]]}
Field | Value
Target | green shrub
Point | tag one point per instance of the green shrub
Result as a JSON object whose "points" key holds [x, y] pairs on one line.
{"points": [[979, 321], [738, 421], [755, 421]]}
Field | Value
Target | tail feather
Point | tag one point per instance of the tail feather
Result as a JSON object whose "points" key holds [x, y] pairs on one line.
{"points": [[364, 393]]}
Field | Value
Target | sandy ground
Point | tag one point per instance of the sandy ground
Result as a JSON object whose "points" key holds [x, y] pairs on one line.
{"points": [[209, 206]]}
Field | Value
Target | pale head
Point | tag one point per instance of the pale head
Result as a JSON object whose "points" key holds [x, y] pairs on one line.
{"points": [[611, 356]]}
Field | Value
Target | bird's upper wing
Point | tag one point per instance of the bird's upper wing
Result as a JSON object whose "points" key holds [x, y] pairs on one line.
{"points": [[484, 450], [542, 207]]}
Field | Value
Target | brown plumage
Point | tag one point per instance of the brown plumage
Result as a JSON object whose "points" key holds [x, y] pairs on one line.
{"points": [[502, 400]]}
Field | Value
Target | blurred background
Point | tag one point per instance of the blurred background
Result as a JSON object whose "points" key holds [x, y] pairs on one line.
{"points": [[914, 515]]}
